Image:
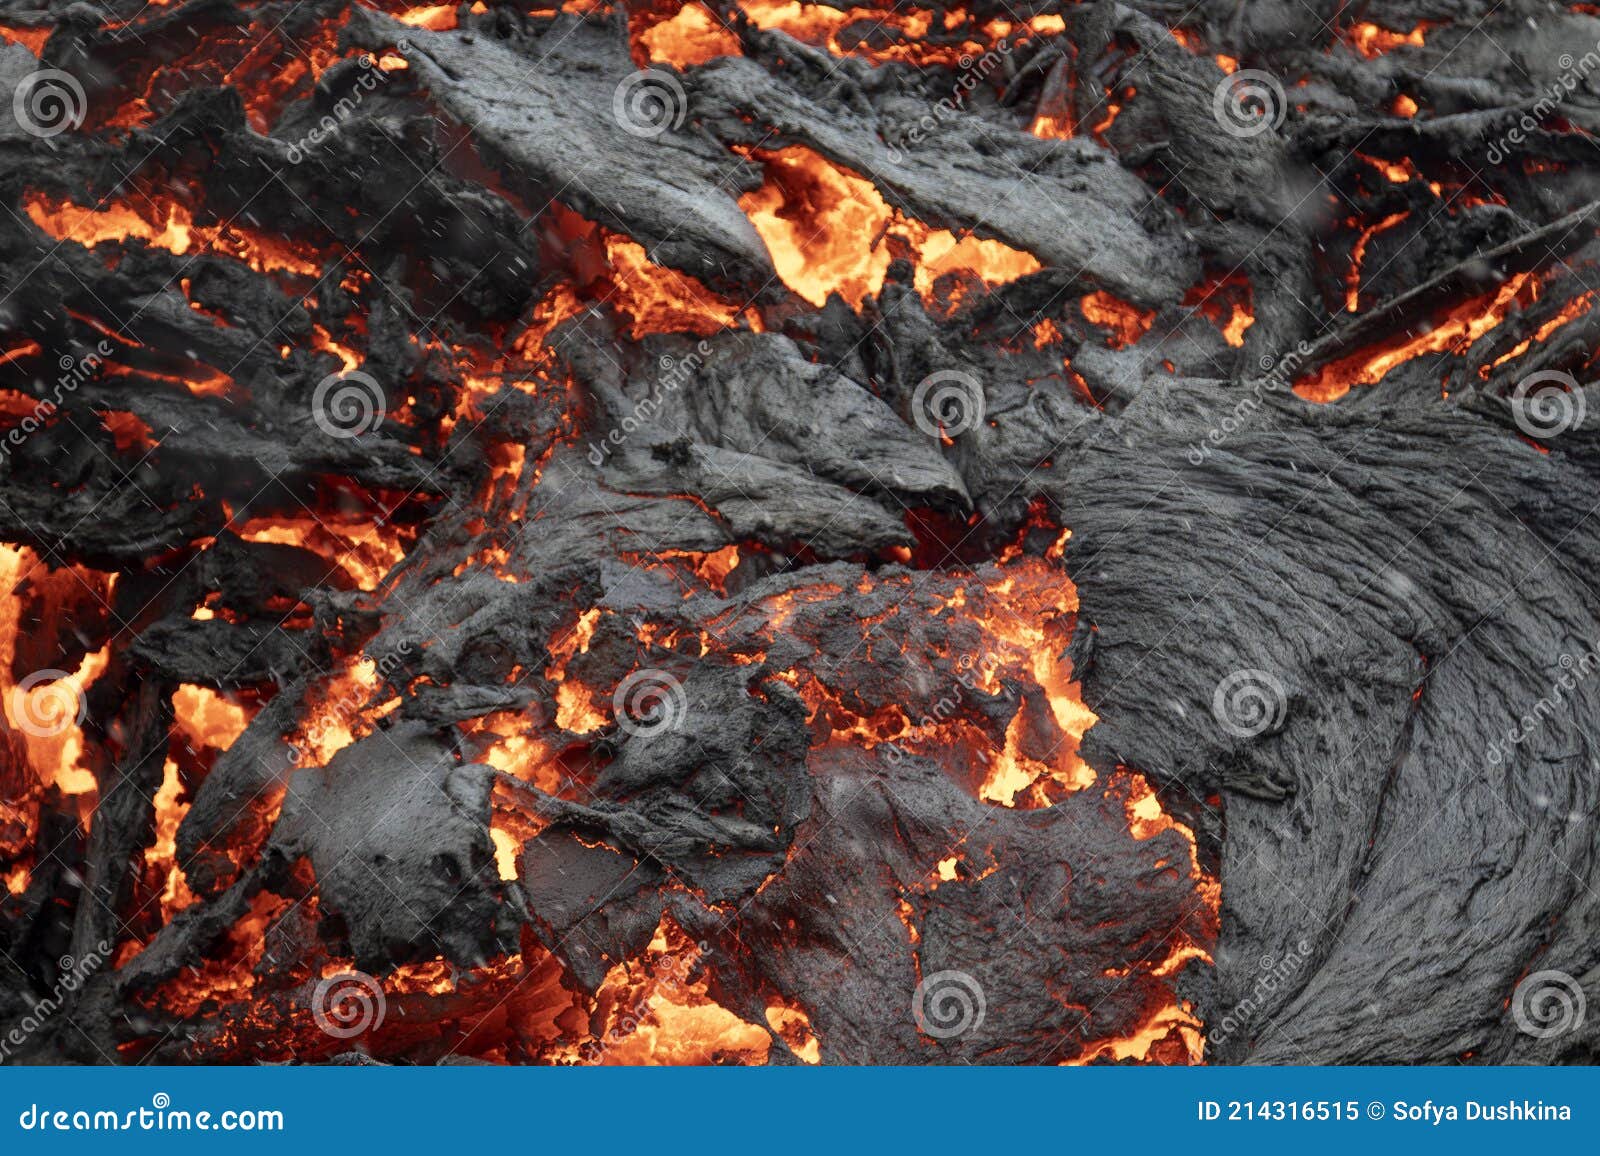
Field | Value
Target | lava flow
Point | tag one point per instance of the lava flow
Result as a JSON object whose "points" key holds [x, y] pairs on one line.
{"points": [[692, 532]]}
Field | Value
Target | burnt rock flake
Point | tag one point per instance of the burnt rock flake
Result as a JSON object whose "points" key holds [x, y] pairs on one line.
{"points": [[755, 532]]}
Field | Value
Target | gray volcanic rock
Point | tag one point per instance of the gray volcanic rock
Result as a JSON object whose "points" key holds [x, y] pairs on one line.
{"points": [[397, 832], [1067, 202], [552, 108], [1226, 673]]}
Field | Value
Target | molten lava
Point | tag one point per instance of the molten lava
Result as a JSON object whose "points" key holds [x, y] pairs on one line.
{"points": [[169, 227], [814, 216], [1373, 41], [961, 667], [1460, 326]]}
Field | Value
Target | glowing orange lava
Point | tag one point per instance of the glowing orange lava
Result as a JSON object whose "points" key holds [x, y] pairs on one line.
{"points": [[1372, 41], [1358, 252], [914, 35], [43, 707], [692, 35], [656, 1011], [173, 230], [1459, 327], [355, 543], [1126, 323], [830, 231]]}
